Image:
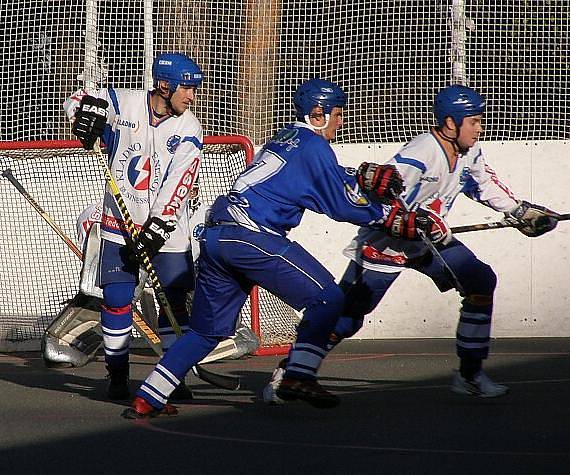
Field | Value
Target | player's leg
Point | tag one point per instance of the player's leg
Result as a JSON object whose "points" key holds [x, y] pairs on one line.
{"points": [[175, 271], [363, 290], [474, 329], [118, 277], [287, 270], [218, 298]]}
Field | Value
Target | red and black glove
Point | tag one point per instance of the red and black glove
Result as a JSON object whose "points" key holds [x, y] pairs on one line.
{"points": [[381, 182], [90, 120], [152, 236], [405, 224]]}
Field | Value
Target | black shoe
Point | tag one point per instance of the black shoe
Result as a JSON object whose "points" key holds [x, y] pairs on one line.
{"points": [[118, 386], [308, 390], [181, 393]]}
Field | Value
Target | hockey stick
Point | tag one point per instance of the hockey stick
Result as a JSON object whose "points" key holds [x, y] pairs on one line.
{"points": [[221, 380], [12, 179], [506, 223], [138, 322]]}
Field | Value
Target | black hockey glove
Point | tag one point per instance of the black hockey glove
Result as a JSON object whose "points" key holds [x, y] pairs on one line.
{"points": [[90, 120], [534, 220], [381, 182], [152, 236]]}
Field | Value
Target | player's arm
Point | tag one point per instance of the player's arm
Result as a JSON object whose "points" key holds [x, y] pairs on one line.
{"points": [[336, 193], [486, 188], [89, 113]]}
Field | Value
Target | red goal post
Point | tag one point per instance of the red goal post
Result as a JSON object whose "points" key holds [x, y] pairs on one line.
{"points": [[36, 274]]}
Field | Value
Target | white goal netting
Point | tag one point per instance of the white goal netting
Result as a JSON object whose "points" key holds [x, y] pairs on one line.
{"points": [[390, 55]]}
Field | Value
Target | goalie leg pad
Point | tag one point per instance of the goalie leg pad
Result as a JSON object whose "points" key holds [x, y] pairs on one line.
{"points": [[74, 336]]}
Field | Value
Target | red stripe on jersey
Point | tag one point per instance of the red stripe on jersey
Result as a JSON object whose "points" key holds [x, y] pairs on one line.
{"points": [[496, 181], [183, 189]]}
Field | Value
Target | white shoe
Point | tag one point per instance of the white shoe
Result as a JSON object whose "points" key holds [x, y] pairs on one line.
{"points": [[270, 391], [481, 386]]}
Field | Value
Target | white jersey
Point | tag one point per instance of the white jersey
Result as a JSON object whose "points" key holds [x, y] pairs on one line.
{"points": [[431, 183], [155, 166]]}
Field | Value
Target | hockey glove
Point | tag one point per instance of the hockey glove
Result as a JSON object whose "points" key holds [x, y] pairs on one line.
{"points": [[90, 120], [152, 236], [534, 220], [382, 182], [404, 224]]}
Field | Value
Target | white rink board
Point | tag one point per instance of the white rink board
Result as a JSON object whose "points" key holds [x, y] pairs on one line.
{"points": [[533, 293]]}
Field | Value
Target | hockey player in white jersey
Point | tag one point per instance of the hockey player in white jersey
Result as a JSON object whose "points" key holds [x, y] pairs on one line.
{"points": [[154, 145], [436, 167]]}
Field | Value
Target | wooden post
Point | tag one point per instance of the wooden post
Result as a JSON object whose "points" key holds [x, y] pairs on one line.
{"points": [[257, 69]]}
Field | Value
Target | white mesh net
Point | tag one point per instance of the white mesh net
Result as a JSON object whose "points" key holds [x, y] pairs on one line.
{"points": [[391, 56]]}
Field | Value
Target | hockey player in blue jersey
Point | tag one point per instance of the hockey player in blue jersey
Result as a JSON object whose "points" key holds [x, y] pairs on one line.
{"points": [[246, 244], [154, 144], [436, 167]]}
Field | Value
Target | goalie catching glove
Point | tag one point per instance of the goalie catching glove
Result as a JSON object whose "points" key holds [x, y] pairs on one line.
{"points": [[90, 120], [534, 220], [405, 224], [152, 236], [381, 182]]}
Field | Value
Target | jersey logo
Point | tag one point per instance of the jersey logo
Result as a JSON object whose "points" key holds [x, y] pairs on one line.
{"points": [[354, 196], [138, 172], [285, 135], [198, 232], [172, 143]]}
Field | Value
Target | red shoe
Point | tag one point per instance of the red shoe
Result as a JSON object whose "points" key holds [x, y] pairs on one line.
{"points": [[141, 409]]}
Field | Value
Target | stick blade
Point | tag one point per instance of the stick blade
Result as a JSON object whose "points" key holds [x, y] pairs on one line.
{"points": [[223, 381]]}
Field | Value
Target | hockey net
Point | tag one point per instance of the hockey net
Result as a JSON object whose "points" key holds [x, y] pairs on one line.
{"points": [[39, 273]]}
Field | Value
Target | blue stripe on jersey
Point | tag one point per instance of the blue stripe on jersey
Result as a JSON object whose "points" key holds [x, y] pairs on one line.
{"points": [[410, 161], [114, 100], [471, 188], [479, 155], [112, 145], [194, 140], [415, 190]]}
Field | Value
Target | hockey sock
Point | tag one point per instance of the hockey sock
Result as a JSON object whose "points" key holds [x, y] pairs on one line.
{"points": [[116, 322], [313, 332], [173, 366]]}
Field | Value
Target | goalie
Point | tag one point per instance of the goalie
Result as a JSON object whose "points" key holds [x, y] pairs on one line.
{"points": [[154, 145], [74, 336]]}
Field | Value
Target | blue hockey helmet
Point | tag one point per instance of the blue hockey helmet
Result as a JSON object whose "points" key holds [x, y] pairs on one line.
{"points": [[318, 92], [177, 69], [457, 102]]}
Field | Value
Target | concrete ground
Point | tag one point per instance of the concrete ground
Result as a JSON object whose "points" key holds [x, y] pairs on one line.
{"points": [[397, 416]]}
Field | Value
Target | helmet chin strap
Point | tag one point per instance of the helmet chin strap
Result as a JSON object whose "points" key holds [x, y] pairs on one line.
{"points": [[316, 127], [167, 100], [454, 140]]}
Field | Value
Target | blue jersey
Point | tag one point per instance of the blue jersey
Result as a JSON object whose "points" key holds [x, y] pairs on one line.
{"points": [[296, 170]]}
